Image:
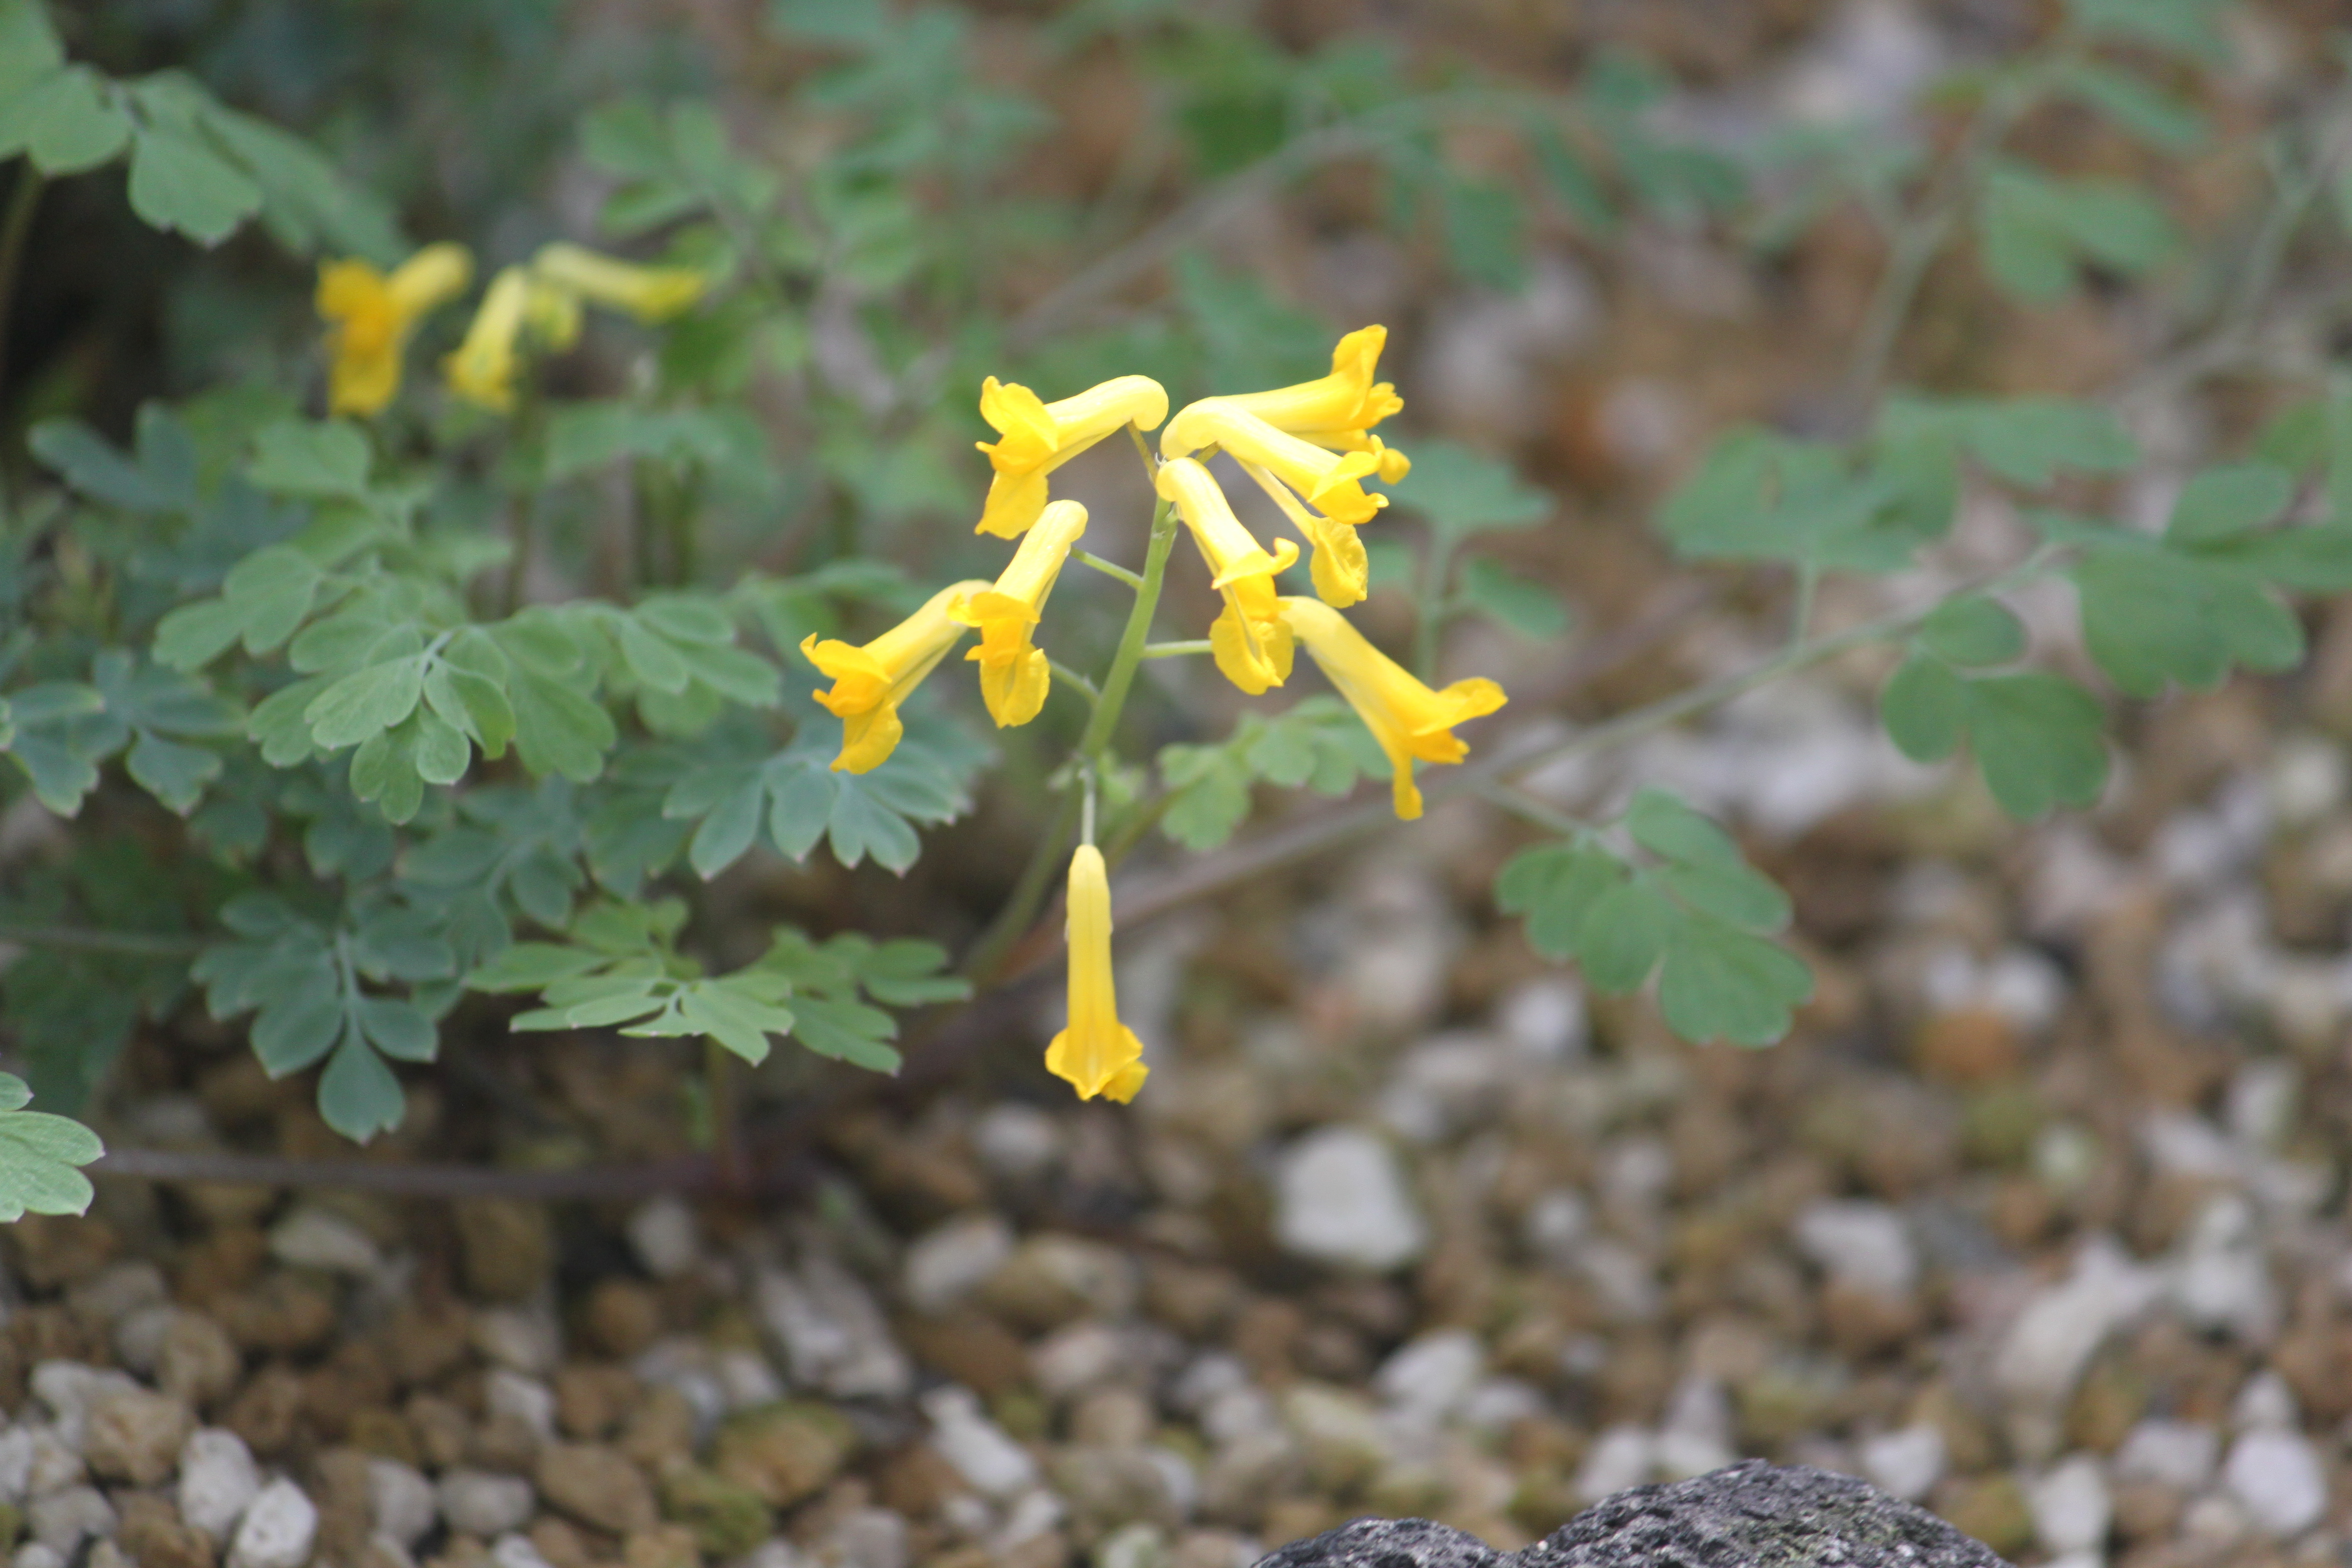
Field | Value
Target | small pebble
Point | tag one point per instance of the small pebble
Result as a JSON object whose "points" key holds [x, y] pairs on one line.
{"points": [[277, 1529], [2276, 1476]]}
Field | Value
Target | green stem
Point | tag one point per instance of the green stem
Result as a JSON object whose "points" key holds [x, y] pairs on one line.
{"points": [[1121, 675], [1519, 803], [15, 228], [1108, 568], [1178, 649], [1432, 607], [71, 939], [1063, 672]]}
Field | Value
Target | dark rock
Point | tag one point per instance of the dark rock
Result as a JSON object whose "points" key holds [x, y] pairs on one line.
{"points": [[1752, 1515]]}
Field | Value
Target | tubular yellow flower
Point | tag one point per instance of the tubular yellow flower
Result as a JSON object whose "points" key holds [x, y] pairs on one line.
{"points": [[649, 293], [371, 314], [1326, 480], [1343, 572], [1036, 438], [869, 682], [1013, 676], [1338, 410], [482, 370], [1251, 644], [1408, 720], [1097, 1053]]}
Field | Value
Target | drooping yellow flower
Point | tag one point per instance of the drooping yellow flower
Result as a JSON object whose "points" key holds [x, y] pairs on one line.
{"points": [[649, 293], [1291, 468], [869, 682], [1013, 675], [371, 315], [518, 308], [1338, 410], [1036, 438], [1409, 721], [1251, 644], [1097, 1053]]}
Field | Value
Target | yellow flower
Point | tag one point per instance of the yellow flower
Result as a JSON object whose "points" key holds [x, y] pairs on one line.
{"points": [[869, 682], [649, 293], [517, 307], [1037, 438], [1014, 676], [371, 315], [1338, 410], [1251, 644], [1097, 1054], [1405, 717], [1289, 468]]}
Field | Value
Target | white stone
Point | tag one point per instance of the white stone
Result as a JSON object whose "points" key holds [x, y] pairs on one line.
{"points": [[2176, 1454], [2071, 1507], [1625, 1281], [35, 1461], [1019, 1143], [2263, 1099], [1139, 1545], [867, 1537], [315, 1239], [1861, 1243], [747, 1378], [217, 1479], [1695, 1437], [1032, 1513], [278, 1529], [383, 1549], [64, 1519], [980, 1450], [68, 1388], [1545, 1020], [1906, 1464], [517, 1551], [2307, 779], [2265, 1402], [1620, 1457], [948, 1262], [1446, 1084], [478, 1502], [525, 1399], [1497, 1402], [33, 1554], [1076, 1356], [776, 1553], [403, 1501], [666, 1236], [1427, 1378], [1555, 1227], [832, 1334], [2041, 1357], [139, 1336], [1341, 1198], [519, 1339], [2277, 1478], [2219, 1278]]}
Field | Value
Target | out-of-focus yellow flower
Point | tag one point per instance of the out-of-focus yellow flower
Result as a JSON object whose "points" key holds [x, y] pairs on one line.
{"points": [[1036, 438], [371, 315], [1013, 676], [649, 293], [869, 682], [482, 369], [1409, 721], [1097, 1053], [1251, 644], [1338, 410]]}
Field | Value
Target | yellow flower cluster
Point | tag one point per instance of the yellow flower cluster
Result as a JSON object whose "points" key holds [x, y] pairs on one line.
{"points": [[1309, 448], [371, 314]]}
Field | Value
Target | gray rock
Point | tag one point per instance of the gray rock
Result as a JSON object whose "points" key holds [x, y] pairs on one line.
{"points": [[1752, 1515]]}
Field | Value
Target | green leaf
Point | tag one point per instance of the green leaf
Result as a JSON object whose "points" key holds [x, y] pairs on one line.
{"points": [[1925, 708], [66, 121], [1484, 232], [1513, 601], [1973, 631], [358, 1095], [2152, 614], [178, 182], [2025, 440], [2186, 27], [2036, 231], [1463, 492], [29, 50], [366, 702], [95, 468], [2037, 739], [1555, 887], [2149, 112], [2228, 500], [38, 1152], [1625, 932], [324, 460], [1722, 983]]}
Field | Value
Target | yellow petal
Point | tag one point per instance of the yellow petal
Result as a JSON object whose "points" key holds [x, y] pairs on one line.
{"points": [[482, 370], [1095, 1053], [649, 293], [1327, 480], [1039, 437], [871, 681]]}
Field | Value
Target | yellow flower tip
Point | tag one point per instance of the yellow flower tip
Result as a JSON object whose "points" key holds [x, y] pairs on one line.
{"points": [[1411, 723], [1095, 1053], [1341, 569], [371, 315], [1394, 465], [1285, 556], [871, 681], [1255, 654], [651, 294], [1014, 677]]}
